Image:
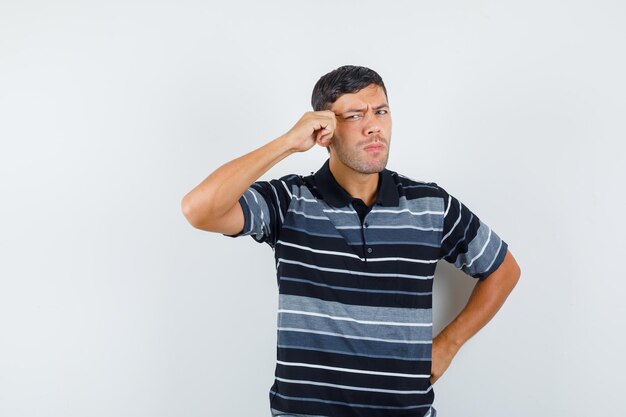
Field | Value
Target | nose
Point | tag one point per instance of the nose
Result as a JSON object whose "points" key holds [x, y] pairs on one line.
{"points": [[372, 124]]}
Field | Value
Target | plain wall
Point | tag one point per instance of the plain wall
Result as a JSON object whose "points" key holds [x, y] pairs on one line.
{"points": [[111, 304]]}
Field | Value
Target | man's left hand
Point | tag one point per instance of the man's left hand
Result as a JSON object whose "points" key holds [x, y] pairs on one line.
{"points": [[443, 352]]}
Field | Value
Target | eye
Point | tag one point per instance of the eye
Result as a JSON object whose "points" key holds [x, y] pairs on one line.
{"points": [[382, 111], [353, 117]]}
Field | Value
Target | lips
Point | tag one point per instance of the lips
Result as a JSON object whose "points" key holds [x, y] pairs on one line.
{"points": [[377, 147]]}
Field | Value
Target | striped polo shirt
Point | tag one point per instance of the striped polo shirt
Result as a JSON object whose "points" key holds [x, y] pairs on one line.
{"points": [[355, 297]]}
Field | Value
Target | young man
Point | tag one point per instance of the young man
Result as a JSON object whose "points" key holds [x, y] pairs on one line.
{"points": [[356, 247]]}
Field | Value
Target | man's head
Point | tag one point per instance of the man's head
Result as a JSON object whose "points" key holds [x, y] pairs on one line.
{"points": [[358, 97], [346, 79]]}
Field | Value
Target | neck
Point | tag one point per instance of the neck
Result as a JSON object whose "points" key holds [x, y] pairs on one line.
{"points": [[357, 184]]}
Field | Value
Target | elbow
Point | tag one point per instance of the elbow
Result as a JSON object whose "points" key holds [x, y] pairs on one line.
{"points": [[511, 270], [188, 210], [515, 272], [199, 213]]}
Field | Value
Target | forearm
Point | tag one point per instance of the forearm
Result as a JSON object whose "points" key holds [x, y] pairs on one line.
{"points": [[221, 190]]}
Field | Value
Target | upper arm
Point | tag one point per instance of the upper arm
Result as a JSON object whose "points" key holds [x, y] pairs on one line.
{"points": [[509, 267], [503, 279], [467, 242], [262, 207]]}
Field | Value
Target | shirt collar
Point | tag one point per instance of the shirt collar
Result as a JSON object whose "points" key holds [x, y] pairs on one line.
{"points": [[336, 196]]}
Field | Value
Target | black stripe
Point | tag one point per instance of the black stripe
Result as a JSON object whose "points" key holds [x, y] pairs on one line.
{"points": [[354, 361], [356, 298]]}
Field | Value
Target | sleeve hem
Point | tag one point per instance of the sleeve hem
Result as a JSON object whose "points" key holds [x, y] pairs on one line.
{"points": [[246, 218], [496, 263]]}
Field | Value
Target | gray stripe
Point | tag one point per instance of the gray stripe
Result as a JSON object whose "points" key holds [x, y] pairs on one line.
{"points": [[393, 236], [434, 244], [258, 212], [469, 223], [497, 253], [350, 328], [344, 336], [392, 314], [430, 204], [475, 247], [417, 186], [333, 234], [314, 225]]}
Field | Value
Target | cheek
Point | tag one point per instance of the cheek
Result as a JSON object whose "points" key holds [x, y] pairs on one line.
{"points": [[348, 131]]}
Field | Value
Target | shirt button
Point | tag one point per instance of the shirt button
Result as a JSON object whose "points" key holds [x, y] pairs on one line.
{"points": [[369, 250], [366, 224]]}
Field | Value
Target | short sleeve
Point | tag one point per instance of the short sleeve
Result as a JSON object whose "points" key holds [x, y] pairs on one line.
{"points": [[264, 205], [467, 242]]}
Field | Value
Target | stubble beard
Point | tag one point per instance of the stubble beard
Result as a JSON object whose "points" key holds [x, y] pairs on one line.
{"points": [[356, 158]]}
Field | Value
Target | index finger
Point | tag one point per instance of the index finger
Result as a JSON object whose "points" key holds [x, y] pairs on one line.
{"points": [[331, 115]]}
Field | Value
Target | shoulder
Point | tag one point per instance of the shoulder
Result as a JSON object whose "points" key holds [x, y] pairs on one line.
{"points": [[414, 188], [284, 188]]}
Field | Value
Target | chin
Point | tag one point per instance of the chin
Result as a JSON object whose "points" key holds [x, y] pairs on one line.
{"points": [[370, 169]]}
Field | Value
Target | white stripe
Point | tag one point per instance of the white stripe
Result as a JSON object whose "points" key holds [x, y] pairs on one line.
{"points": [[420, 261], [328, 252], [415, 213], [386, 323], [339, 211], [373, 339], [308, 216], [411, 179], [448, 208], [495, 257], [355, 371], [350, 387], [256, 200], [287, 189], [309, 200], [482, 250], [352, 255], [417, 186], [406, 227], [393, 227], [280, 212], [347, 271], [457, 222]]}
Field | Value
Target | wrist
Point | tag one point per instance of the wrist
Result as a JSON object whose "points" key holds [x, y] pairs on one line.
{"points": [[287, 143], [283, 145], [448, 342]]}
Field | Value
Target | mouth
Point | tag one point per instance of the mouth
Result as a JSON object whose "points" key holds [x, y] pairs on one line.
{"points": [[374, 148]]}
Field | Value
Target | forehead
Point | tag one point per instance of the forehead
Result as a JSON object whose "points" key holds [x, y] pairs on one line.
{"points": [[372, 95]]}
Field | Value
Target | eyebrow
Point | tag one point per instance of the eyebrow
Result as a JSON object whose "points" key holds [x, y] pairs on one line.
{"points": [[362, 110]]}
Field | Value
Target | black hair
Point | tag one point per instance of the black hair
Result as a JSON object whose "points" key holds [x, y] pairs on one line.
{"points": [[346, 79]]}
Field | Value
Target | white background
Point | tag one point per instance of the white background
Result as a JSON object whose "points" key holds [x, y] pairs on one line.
{"points": [[111, 304]]}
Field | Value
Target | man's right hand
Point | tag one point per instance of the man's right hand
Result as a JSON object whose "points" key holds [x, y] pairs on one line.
{"points": [[213, 204], [313, 127]]}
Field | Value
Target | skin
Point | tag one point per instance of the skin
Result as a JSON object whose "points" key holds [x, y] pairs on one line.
{"points": [[363, 120], [354, 122]]}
